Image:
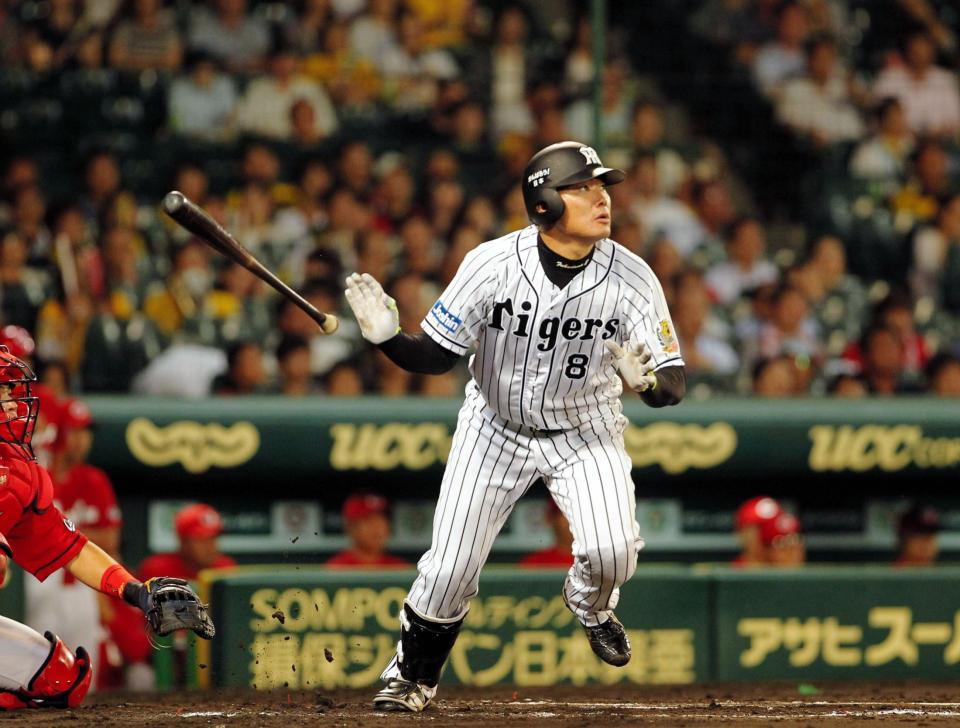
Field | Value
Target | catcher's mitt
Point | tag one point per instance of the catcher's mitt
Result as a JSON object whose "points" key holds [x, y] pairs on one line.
{"points": [[170, 604]]}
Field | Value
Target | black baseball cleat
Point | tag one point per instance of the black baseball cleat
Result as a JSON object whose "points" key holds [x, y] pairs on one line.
{"points": [[610, 642]]}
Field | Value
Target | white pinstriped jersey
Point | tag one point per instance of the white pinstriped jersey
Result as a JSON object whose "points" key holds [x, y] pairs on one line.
{"points": [[540, 359]]}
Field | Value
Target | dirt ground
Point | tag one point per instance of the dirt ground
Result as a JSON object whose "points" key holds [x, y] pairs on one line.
{"points": [[902, 704]]}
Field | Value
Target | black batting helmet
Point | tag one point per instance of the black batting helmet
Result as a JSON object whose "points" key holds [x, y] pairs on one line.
{"points": [[560, 165]]}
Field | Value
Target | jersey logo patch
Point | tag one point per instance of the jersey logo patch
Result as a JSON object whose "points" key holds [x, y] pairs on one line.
{"points": [[69, 524], [668, 342], [444, 318], [4, 474]]}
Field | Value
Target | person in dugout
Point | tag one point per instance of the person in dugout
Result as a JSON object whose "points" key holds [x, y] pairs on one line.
{"points": [[917, 536], [366, 520], [198, 528], [749, 518], [782, 541], [39, 670], [560, 554]]}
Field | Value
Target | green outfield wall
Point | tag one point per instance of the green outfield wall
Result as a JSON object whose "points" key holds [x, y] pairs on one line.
{"points": [[305, 627], [257, 437]]}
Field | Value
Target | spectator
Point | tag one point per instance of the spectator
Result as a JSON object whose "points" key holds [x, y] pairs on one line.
{"points": [[45, 46], [197, 526], [202, 101], [780, 60], [353, 83], [746, 269], [148, 39], [616, 104], [366, 521], [884, 155], [790, 331], [818, 106], [660, 214], [883, 361], [24, 289], [932, 245], [29, 222], [917, 531], [374, 33], [507, 73], [896, 312], [266, 105], [293, 364], [245, 371], [928, 93], [748, 521], [412, 71], [102, 186], [304, 32], [705, 349], [232, 36], [325, 351], [712, 202], [943, 374], [648, 128], [843, 299], [929, 182], [343, 381], [848, 386], [178, 306], [782, 540], [776, 378]]}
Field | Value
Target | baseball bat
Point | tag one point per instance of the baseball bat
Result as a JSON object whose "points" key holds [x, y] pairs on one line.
{"points": [[194, 219]]}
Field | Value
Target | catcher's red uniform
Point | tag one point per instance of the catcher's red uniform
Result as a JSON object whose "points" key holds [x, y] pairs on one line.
{"points": [[41, 538]]}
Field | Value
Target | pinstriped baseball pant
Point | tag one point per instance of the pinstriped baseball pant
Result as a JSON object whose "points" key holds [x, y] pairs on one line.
{"points": [[490, 467]]}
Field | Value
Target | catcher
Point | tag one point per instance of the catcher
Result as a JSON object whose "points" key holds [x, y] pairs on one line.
{"points": [[39, 671]]}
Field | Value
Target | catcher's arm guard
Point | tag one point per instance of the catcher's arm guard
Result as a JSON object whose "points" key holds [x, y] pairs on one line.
{"points": [[170, 604]]}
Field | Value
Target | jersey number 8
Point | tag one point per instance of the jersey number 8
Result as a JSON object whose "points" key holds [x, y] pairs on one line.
{"points": [[576, 366]]}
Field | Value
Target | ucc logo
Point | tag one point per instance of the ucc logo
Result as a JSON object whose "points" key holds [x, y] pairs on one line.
{"points": [[196, 446]]}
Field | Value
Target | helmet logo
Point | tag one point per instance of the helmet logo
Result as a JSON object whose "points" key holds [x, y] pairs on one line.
{"points": [[539, 177], [590, 155]]}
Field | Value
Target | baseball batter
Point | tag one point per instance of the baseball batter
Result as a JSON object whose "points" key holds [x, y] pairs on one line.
{"points": [[39, 671], [555, 310]]}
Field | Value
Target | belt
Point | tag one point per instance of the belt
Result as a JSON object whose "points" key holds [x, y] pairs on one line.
{"points": [[526, 430]]}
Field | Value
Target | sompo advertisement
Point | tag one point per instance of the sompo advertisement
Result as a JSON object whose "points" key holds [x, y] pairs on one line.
{"points": [[303, 627], [324, 628]]}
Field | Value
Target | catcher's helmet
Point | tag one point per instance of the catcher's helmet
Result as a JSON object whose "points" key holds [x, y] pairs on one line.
{"points": [[18, 341], [560, 165], [19, 407]]}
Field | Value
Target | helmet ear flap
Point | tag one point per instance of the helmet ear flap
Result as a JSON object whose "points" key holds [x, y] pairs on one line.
{"points": [[552, 208]]}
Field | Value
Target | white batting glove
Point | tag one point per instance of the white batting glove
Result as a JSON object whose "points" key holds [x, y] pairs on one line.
{"points": [[376, 312], [635, 366]]}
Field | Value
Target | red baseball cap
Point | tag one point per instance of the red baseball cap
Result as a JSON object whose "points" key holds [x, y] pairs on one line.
{"points": [[784, 524], [361, 506], [756, 511], [75, 414], [198, 521]]}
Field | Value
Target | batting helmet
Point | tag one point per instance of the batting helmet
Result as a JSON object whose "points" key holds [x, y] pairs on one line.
{"points": [[563, 164]]}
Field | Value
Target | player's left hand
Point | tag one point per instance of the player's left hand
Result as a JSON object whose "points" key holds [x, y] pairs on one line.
{"points": [[635, 365], [170, 604], [376, 312]]}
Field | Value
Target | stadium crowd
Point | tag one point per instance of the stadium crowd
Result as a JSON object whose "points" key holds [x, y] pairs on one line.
{"points": [[388, 136]]}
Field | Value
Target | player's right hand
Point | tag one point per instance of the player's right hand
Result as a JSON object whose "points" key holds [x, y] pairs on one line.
{"points": [[635, 365], [376, 312]]}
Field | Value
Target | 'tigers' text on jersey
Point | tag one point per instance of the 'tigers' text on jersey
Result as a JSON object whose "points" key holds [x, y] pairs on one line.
{"points": [[552, 328]]}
